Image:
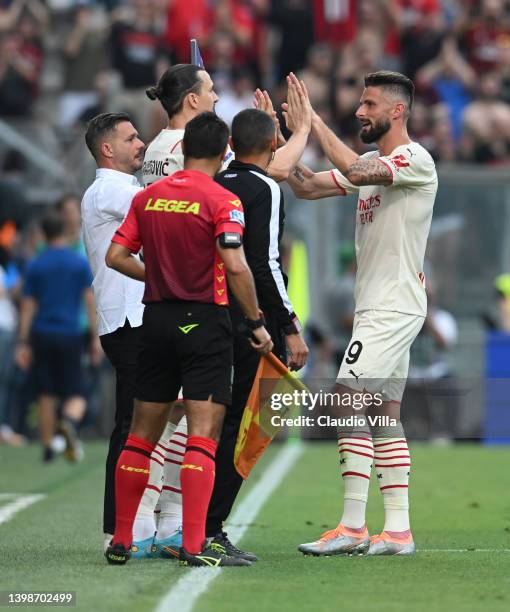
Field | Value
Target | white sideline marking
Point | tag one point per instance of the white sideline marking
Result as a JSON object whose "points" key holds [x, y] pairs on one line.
{"points": [[463, 550], [186, 591], [20, 503]]}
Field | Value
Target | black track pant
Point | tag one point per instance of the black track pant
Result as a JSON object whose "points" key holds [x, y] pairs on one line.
{"points": [[228, 482], [121, 348]]}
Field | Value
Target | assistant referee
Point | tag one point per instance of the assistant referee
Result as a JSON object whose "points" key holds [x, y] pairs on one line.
{"points": [[254, 143], [191, 230]]}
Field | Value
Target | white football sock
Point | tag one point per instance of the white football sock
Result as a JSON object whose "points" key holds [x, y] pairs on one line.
{"points": [[170, 503], [393, 463], [145, 525], [356, 457]]}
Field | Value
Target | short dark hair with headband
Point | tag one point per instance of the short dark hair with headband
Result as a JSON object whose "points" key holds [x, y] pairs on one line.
{"points": [[174, 85]]}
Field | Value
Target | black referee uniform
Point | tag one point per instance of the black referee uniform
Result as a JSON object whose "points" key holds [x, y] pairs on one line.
{"points": [[264, 215]]}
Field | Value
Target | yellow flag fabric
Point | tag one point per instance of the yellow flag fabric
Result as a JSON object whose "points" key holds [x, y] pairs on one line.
{"points": [[256, 430]]}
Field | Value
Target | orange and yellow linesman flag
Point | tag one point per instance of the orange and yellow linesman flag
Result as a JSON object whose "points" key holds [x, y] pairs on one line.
{"points": [[272, 381]]}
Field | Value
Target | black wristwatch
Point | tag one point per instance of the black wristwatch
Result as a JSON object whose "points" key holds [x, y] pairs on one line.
{"points": [[254, 324]]}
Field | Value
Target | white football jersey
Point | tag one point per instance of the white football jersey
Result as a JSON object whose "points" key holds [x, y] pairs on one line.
{"points": [[164, 156], [392, 227]]}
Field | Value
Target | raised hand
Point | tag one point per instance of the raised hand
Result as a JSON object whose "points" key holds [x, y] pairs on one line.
{"points": [[297, 111]]}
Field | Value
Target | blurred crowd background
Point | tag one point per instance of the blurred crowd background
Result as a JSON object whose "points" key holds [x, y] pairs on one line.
{"points": [[64, 61]]}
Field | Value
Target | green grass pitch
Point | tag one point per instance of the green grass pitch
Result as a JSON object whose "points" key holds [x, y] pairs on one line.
{"points": [[459, 500]]}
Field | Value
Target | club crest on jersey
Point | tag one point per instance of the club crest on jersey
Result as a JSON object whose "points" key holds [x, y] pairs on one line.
{"points": [[237, 217], [399, 161]]}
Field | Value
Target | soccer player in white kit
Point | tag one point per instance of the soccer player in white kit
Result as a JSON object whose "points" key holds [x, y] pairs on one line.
{"points": [[396, 187], [184, 91]]}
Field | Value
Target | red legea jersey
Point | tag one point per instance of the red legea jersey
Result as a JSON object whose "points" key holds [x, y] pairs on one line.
{"points": [[176, 221]]}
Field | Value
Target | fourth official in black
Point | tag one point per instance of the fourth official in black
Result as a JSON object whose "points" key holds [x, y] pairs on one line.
{"points": [[254, 143]]}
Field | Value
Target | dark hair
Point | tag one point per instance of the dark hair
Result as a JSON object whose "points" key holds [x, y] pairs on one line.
{"points": [[174, 85], [205, 137], [252, 132], [52, 225], [395, 82], [101, 125]]}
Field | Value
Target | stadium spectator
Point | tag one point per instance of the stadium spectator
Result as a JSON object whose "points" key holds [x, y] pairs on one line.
{"points": [[422, 36], [236, 97], [221, 62], [487, 121], [84, 59], [236, 19], [317, 73], [360, 57], [484, 28], [139, 56], [185, 19], [49, 334], [448, 78], [21, 59], [11, 11], [293, 21], [335, 22]]}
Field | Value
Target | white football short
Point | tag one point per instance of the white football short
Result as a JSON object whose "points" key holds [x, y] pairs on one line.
{"points": [[377, 357]]}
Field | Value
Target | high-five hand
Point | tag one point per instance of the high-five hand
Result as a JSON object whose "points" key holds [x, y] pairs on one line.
{"points": [[297, 111]]}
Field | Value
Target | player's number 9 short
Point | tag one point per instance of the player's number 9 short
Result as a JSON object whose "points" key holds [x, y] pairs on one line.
{"points": [[353, 352]]}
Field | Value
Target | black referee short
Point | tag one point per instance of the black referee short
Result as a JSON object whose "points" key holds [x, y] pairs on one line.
{"points": [[188, 345]]}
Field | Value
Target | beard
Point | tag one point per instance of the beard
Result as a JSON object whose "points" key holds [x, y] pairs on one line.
{"points": [[374, 132]]}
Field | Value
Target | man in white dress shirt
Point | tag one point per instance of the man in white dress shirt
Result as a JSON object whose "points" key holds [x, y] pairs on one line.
{"points": [[118, 151]]}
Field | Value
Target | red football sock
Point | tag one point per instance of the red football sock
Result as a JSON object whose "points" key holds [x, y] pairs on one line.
{"points": [[131, 477], [197, 481]]}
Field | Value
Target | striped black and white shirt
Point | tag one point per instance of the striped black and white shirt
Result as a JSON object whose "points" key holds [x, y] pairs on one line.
{"points": [[264, 215]]}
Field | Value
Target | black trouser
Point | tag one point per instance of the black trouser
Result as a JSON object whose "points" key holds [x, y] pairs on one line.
{"points": [[227, 481], [121, 348]]}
